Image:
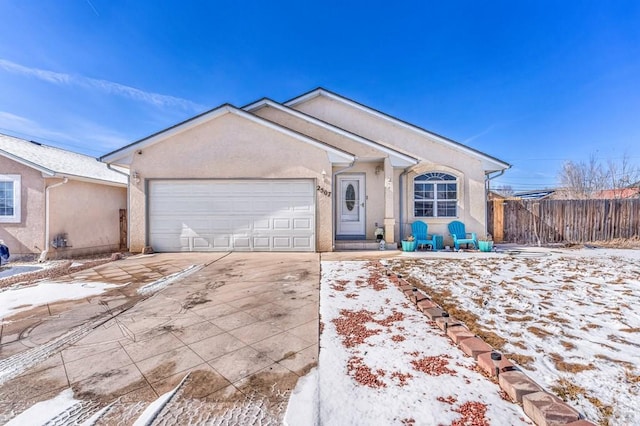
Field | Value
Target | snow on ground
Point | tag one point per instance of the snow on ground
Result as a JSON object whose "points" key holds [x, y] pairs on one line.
{"points": [[569, 318], [302, 409], [153, 410], [44, 411], [382, 362], [21, 298], [169, 279]]}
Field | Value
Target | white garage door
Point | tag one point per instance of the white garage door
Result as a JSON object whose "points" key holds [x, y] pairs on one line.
{"points": [[224, 215]]}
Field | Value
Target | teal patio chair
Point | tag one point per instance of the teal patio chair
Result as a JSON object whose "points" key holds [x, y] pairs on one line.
{"points": [[460, 236], [419, 231]]}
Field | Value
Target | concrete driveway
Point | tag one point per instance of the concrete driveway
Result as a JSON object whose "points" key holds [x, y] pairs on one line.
{"points": [[232, 338]]}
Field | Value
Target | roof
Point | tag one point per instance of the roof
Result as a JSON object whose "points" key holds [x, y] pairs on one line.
{"points": [[397, 158], [617, 193], [123, 155], [57, 162], [535, 195], [491, 164]]}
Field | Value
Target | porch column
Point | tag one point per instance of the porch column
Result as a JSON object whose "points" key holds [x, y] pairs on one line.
{"points": [[389, 219]]}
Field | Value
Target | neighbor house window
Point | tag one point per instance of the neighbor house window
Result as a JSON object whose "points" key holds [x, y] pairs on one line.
{"points": [[435, 195], [10, 198]]}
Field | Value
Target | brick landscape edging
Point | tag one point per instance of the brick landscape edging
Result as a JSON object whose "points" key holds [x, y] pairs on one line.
{"points": [[542, 408]]}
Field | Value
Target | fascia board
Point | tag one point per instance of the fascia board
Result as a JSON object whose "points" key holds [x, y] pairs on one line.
{"points": [[86, 179], [45, 171], [335, 153], [123, 155], [397, 158], [491, 163]]}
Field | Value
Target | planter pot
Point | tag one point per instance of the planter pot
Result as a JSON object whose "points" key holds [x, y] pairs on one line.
{"points": [[408, 245], [485, 246]]}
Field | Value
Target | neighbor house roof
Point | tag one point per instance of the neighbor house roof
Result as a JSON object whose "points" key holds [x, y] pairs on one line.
{"points": [[535, 195], [57, 162], [490, 164], [123, 155], [617, 193]]}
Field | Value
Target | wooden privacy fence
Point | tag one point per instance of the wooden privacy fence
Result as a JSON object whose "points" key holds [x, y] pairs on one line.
{"points": [[555, 221]]}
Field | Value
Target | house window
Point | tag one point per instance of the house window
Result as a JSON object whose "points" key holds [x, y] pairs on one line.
{"points": [[10, 198], [435, 195]]}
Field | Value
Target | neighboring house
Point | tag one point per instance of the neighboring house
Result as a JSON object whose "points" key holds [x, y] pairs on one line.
{"points": [[619, 193], [298, 176], [541, 194], [56, 203]]}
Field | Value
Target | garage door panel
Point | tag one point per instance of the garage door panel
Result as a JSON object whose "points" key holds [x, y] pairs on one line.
{"points": [[281, 224], [262, 224], [261, 243], [241, 242], [303, 243], [220, 215], [258, 188], [262, 206], [202, 242], [221, 224], [241, 225], [280, 206], [282, 243], [222, 242], [303, 224]]}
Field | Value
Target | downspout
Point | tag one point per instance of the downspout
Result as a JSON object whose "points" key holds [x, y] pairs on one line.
{"points": [[334, 202], [487, 184], [45, 252]]}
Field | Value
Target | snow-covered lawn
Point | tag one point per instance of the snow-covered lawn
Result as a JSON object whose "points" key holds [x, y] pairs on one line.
{"points": [[569, 318], [382, 362]]}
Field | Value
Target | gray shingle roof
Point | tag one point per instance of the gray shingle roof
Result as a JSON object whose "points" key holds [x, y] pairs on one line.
{"points": [[57, 161]]}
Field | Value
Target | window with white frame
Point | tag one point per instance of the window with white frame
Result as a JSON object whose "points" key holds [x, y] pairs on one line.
{"points": [[10, 198], [435, 195]]}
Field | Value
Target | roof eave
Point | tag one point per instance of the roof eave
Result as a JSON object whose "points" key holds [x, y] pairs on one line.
{"points": [[324, 92], [398, 159], [124, 155], [126, 152], [28, 163]]}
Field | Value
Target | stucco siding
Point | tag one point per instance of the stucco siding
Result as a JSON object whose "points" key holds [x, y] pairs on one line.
{"points": [[229, 147], [89, 215], [26, 238], [317, 132], [433, 156]]}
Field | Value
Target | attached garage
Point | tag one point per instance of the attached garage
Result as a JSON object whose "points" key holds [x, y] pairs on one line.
{"points": [[231, 215]]}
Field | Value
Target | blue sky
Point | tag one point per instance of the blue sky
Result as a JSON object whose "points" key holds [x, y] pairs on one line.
{"points": [[534, 83]]}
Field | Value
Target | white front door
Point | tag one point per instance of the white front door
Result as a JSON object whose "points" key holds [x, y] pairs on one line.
{"points": [[351, 204]]}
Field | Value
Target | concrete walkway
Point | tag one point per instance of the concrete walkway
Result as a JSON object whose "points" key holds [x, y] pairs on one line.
{"points": [[244, 326]]}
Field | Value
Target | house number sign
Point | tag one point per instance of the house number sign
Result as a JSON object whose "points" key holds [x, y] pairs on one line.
{"points": [[323, 191]]}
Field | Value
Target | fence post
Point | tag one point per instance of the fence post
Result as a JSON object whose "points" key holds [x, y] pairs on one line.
{"points": [[498, 220]]}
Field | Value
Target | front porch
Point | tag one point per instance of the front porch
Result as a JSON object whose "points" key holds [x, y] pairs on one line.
{"points": [[367, 245]]}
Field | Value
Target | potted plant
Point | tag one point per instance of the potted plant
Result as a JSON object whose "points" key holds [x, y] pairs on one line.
{"points": [[409, 243], [485, 244]]}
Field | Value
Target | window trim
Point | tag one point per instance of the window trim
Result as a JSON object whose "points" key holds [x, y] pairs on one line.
{"points": [[435, 182], [17, 201]]}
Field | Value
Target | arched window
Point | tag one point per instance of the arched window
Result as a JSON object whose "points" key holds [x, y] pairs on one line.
{"points": [[435, 195]]}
